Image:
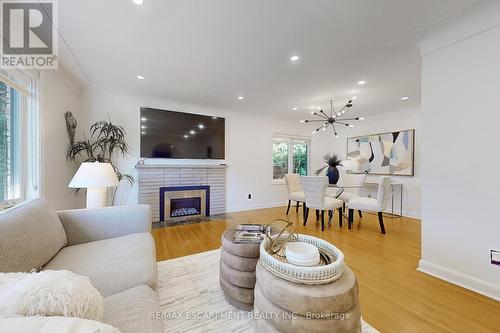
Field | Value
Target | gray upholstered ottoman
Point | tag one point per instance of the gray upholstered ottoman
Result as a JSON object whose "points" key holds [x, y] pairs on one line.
{"points": [[293, 307], [237, 271]]}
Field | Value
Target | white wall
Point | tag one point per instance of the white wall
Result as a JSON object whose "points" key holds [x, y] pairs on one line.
{"points": [[248, 145], [325, 142], [57, 97], [461, 187]]}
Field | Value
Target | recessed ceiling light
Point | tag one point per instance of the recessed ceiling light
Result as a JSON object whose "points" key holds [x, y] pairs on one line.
{"points": [[138, 2], [186, 136], [140, 77], [240, 97], [351, 125], [353, 98], [143, 127], [143, 119], [318, 108], [192, 132], [143, 133], [214, 117], [295, 108], [294, 58], [404, 98], [361, 82], [201, 126]]}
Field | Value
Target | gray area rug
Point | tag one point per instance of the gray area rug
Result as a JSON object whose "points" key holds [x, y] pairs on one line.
{"points": [[191, 299]]}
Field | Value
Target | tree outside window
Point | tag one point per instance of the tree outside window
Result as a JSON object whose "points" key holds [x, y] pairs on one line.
{"points": [[290, 155]]}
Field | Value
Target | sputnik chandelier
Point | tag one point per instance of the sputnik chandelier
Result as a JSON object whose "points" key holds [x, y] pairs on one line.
{"points": [[335, 118]]}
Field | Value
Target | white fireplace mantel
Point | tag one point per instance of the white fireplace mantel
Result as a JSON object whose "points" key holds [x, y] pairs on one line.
{"points": [[153, 176]]}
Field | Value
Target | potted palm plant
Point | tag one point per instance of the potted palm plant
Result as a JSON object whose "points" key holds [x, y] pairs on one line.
{"points": [[332, 162], [106, 139]]}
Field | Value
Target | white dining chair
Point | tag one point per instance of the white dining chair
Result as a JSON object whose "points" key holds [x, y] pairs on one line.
{"points": [[295, 191], [351, 183], [315, 196], [370, 204]]}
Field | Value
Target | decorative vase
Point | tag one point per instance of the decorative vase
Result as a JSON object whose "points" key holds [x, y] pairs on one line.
{"points": [[333, 175]]}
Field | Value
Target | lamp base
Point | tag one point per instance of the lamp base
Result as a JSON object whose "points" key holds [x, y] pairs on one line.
{"points": [[97, 197]]}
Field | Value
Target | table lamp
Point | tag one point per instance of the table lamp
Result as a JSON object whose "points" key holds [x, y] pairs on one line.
{"points": [[95, 177]]}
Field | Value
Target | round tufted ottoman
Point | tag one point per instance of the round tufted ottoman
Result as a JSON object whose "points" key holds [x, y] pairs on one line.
{"points": [[293, 307], [237, 271]]}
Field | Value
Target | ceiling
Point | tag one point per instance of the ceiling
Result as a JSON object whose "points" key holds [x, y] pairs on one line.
{"points": [[209, 52]]}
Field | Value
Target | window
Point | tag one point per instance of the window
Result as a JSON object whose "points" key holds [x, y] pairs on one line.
{"points": [[290, 155], [18, 137], [10, 143]]}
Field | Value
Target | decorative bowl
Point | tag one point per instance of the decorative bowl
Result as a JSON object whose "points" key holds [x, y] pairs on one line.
{"points": [[302, 254], [329, 269]]}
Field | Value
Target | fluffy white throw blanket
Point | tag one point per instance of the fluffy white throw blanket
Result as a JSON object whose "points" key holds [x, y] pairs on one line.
{"points": [[53, 325], [49, 293]]}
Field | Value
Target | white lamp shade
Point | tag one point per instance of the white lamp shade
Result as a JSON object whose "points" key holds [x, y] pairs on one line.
{"points": [[92, 175]]}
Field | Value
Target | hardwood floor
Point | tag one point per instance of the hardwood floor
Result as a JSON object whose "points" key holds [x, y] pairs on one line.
{"points": [[395, 297]]}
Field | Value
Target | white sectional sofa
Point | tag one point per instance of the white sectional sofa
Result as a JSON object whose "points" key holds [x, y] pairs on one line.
{"points": [[113, 246]]}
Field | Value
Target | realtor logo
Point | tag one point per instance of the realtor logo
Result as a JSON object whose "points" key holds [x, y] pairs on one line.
{"points": [[29, 36]]}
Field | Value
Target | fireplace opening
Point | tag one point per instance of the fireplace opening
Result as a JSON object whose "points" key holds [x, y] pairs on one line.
{"points": [[185, 207]]}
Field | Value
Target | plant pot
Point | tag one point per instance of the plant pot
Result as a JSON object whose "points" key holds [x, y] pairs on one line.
{"points": [[333, 175]]}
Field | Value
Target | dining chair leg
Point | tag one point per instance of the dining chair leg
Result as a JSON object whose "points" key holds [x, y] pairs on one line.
{"points": [[340, 216], [306, 214], [350, 219], [381, 222], [360, 214], [322, 220], [330, 215], [288, 209], [297, 207], [317, 214], [304, 210]]}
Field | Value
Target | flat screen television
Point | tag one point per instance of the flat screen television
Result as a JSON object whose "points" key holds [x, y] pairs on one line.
{"points": [[171, 134]]}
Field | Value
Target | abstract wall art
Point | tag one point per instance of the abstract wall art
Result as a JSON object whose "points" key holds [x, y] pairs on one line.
{"points": [[389, 153]]}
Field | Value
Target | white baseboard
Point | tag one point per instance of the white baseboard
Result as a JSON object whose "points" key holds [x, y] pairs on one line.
{"points": [[413, 215], [258, 206], [284, 203], [460, 279]]}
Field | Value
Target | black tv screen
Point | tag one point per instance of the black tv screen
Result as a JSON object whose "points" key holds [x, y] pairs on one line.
{"points": [[170, 134]]}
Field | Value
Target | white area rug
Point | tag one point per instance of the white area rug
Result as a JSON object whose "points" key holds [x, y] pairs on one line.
{"points": [[191, 299]]}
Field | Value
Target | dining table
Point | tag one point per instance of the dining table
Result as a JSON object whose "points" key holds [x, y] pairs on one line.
{"points": [[334, 191]]}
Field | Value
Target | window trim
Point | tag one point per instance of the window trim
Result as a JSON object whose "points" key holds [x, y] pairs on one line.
{"points": [[27, 83], [290, 138]]}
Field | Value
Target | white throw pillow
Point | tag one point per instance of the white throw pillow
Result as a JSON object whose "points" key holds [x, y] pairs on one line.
{"points": [[49, 293], [53, 325]]}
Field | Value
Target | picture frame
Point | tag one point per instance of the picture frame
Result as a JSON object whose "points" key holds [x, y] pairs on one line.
{"points": [[386, 153]]}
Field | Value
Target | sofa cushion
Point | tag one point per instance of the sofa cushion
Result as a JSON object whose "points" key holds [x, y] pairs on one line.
{"points": [[30, 235], [134, 311], [113, 265]]}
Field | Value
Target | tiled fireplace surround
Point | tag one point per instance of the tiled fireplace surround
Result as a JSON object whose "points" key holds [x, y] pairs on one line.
{"points": [[172, 182]]}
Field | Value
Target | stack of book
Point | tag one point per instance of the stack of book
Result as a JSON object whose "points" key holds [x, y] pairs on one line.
{"points": [[250, 233]]}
